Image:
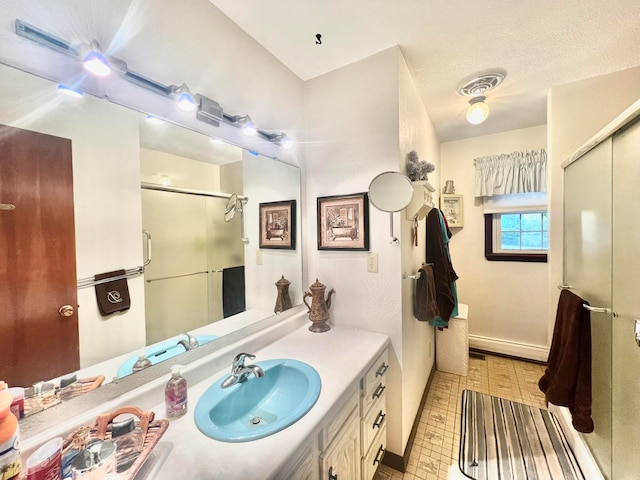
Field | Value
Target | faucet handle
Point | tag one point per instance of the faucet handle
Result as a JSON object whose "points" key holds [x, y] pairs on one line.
{"points": [[238, 362]]}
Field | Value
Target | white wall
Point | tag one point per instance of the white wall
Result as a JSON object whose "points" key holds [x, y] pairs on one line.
{"points": [[362, 120], [508, 301], [418, 352]]}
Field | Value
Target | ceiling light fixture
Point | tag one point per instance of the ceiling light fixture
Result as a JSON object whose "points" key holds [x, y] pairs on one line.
{"points": [[95, 62], [478, 111], [477, 86]]}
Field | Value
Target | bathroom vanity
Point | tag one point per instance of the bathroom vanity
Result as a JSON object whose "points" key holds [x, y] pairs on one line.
{"points": [[342, 436]]}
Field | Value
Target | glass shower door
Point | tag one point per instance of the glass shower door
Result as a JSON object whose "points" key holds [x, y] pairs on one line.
{"points": [[587, 269], [626, 303]]}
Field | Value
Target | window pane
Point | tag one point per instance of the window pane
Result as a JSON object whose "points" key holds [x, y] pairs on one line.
{"points": [[545, 240], [510, 222], [545, 221], [531, 222], [510, 240], [531, 240]]}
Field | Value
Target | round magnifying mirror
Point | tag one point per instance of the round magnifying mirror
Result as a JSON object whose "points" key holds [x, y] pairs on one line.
{"points": [[390, 191], [230, 209]]}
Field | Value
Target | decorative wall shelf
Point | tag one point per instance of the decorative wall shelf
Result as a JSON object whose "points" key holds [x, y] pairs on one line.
{"points": [[422, 200]]}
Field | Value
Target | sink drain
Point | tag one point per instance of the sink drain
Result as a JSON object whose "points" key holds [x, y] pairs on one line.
{"points": [[255, 420]]}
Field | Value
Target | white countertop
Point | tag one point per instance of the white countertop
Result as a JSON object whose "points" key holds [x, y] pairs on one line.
{"points": [[341, 356]]}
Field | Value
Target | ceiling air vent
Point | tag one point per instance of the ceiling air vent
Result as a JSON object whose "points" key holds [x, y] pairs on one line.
{"points": [[480, 83]]}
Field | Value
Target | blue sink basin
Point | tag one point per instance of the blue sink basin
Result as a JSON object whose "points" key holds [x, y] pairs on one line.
{"points": [[161, 351], [258, 407]]}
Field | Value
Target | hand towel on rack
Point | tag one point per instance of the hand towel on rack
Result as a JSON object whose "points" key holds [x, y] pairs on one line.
{"points": [[425, 307], [233, 299], [112, 296], [567, 378]]}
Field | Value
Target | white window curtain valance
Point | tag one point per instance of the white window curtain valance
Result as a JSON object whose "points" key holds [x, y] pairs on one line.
{"points": [[517, 172]]}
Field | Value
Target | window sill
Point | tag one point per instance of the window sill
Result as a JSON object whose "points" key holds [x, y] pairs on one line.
{"points": [[516, 257]]}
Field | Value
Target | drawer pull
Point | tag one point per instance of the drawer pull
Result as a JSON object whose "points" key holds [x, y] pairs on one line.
{"points": [[379, 455], [379, 391], [382, 369], [331, 475], [379, 420]]}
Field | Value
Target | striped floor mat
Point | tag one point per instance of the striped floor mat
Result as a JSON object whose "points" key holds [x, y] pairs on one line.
{"points": [[506, 440]]}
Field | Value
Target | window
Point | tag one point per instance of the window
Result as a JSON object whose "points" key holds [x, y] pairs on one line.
{"points": [[517, 236]]}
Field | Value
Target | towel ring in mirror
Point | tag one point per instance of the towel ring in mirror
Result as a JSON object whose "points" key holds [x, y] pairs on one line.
{"points": [[391, 192], [230, 209]]}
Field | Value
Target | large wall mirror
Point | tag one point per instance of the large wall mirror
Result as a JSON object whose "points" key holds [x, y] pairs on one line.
{"points": [[203, 278]]}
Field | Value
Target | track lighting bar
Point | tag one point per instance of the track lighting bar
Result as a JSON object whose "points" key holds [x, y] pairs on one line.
{"points": [[206, 109]]}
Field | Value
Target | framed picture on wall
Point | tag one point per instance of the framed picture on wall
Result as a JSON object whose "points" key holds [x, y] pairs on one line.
{"points": [[343, 222], [452, 209], [278, 225]]}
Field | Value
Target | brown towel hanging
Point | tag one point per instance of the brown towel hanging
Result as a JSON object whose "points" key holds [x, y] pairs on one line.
{"points": [[425, 305], [112, 296]]}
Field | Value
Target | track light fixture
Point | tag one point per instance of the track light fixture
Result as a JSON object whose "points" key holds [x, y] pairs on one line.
{"points": [[281, 139], [95, 62], [184, 99]]}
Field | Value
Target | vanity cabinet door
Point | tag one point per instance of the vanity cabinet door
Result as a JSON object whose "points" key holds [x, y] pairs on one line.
{"points": [[305, 467], [341, 460]]}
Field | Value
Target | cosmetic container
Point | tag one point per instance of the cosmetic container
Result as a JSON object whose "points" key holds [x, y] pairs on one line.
{"points": [[10, 464]]}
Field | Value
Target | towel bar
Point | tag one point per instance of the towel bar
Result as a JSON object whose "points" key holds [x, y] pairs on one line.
{"points": [[417, 275], [176, 276], [92, 282], [596, 309]]}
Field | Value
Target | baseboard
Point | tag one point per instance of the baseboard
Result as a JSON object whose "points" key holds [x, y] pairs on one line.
{"points": [[506, 347], [400, 462], [580, 449]]}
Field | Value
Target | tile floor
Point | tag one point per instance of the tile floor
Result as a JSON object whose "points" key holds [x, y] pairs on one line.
{"points": [[437, 440]]}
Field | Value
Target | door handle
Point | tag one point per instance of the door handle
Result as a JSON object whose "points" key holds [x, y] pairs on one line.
{"points": [[637, 331], [65, 311]]}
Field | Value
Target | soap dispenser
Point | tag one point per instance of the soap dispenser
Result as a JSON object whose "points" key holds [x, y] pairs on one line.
{"points": [[142, 362], [175, 394]]}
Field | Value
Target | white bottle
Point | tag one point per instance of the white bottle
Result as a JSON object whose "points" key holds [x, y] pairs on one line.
{"points": [[175, 394], [142, 362]]}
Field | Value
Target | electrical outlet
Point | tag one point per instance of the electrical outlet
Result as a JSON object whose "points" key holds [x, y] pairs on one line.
{"points": [[372, 262], [258, 257]]}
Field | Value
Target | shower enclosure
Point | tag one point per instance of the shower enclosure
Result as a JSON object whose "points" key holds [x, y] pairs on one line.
{"points": [[192, 246], [602, 265]]}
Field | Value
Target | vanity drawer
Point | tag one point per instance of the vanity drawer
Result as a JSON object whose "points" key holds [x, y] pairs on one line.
{"points": [[373, 422], [373, 458], [374, 382], [334, 426]]}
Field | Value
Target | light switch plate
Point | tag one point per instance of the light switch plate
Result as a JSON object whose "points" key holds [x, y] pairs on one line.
{"points": [[372, 262]]}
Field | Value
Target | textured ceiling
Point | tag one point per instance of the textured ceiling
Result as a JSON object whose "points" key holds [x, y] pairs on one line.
{"points": [[540, 43]]}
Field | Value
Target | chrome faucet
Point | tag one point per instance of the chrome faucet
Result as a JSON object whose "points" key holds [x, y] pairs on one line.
{"points": [[188, 345], [240, 371]]}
